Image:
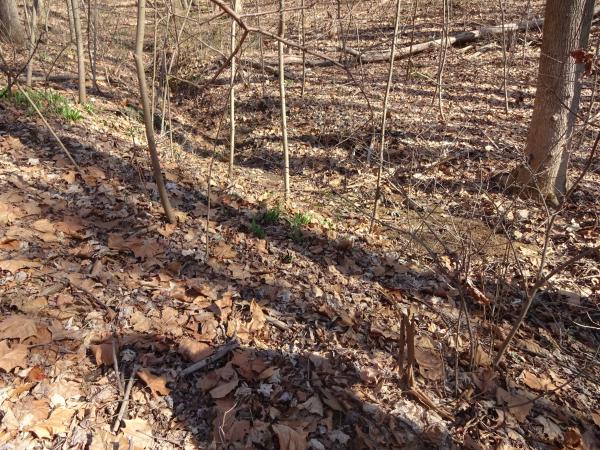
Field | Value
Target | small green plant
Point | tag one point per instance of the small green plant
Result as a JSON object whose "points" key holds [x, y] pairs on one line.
{"points": [[300, 220], [271, 216], [257, 230], [288, 258], [46, 100], [89, 108], [297, 222], [327, 224]]}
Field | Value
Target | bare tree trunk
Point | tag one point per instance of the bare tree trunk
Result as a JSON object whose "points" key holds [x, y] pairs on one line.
{"points": [[527, 12], [442, 60], [504, 58], [32, 38], [80, 56], [11, 28], [139, 62], [284, 137], [71, 23], [566, 29], [412, 37], [384, 116], [232, 94], [93, 40], [303, 31]]}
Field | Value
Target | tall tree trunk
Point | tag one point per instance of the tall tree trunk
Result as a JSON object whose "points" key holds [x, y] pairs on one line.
{"points": [[284, 137], [32, 38], [232, 93], [566, 28], [11, 28], [139, 63], [75, 4], [386, 96]]}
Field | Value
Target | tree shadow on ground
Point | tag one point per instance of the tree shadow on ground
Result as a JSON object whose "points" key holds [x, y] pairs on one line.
{"points": [[262, 398], [346, 325]]}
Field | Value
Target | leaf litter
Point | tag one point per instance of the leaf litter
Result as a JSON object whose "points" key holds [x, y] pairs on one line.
{"points": [[98, 295]]}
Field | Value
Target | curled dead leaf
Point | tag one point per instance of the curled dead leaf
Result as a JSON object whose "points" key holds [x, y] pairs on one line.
{"points": [[156, 383]]}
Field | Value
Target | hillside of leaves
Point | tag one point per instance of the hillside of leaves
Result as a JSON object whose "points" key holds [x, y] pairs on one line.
{"points": [[256, 324]]}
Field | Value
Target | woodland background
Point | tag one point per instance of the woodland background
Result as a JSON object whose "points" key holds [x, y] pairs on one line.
{"points": [[247, 315]]}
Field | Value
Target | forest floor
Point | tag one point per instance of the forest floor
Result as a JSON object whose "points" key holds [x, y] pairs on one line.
{"points": [[299, 311]]}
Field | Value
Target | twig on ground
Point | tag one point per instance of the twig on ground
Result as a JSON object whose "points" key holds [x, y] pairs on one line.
{"points": [[221, 353], [125, 401]]}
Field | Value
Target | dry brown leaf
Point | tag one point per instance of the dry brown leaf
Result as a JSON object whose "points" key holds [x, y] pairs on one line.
{"points": [[223, 251], [14, 265], [430, 363], [11, 358], [36, 374], [140, 322], [103, 353], [290, 439], [10, 244], [117, 242], [63, 390], [313, 405], [481, 357], [596, 417], [17, 327], [30, 412], [551, 430], [225, 388], [140, 433], [519, 406], [537, 383], [156, 383], [258, 317], [105, 440], [477, 295], [194, 350], [144, 248], [43, 226], [70, 225], [57, 423]]}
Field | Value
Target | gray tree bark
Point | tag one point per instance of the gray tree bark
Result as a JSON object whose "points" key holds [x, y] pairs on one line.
{"points": [[567, 26], [11, 27]]}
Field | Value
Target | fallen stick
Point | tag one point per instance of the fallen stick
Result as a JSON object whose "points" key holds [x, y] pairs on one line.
{"points": [[460, 38], [125, 402], [223, 351]]}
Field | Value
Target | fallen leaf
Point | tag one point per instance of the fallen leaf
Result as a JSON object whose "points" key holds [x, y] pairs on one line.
{"points": [[11, 358], [551, 430], [14, 265], [223, 251], [31, 411], [225, 388], [58, 422], [430, 363], [43, 226], [103, 353], [17, 327], [537, 383], [156, 383], [194, 350], [290, 439], [258, 317], [313, 405], [36, 374], [105, 440], [477, 295], [144, 248], [481, 357], [140, 433], [519, 406]]}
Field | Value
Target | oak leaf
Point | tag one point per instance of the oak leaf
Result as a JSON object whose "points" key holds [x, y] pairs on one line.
{"points": [[156, 383]]}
